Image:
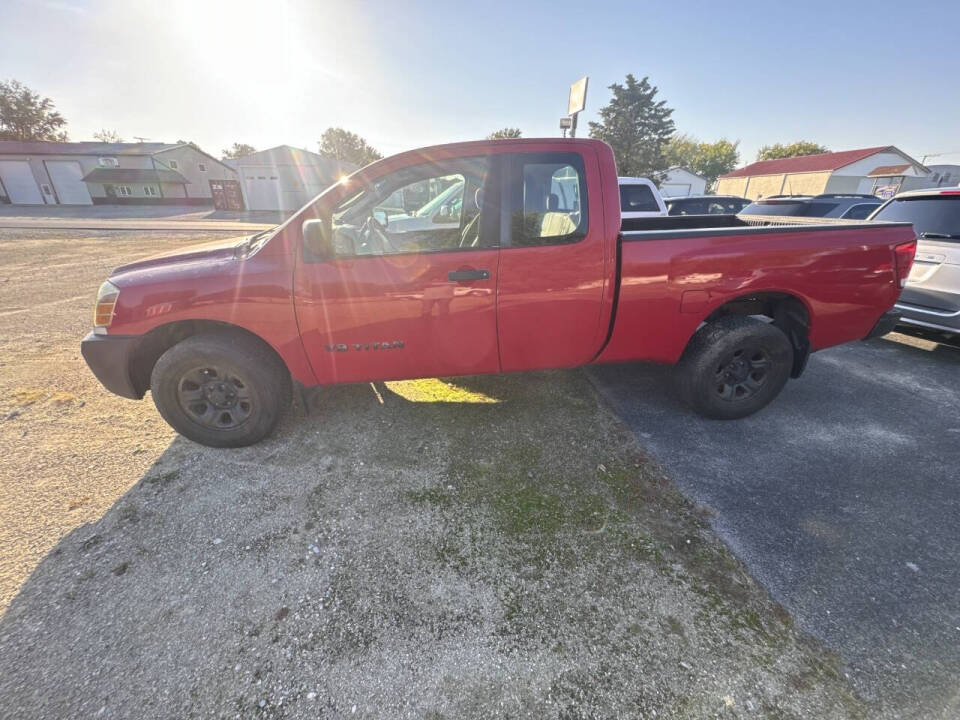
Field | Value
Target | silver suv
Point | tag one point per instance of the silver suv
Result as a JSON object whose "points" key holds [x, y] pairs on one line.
{"points": [[930, 302], [836, 205]]}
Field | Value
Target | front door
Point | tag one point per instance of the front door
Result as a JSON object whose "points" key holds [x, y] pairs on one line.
{"points": [[411, 289]]}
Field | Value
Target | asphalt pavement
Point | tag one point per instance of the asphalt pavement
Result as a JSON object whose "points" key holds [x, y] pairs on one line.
{"points": [[842, 499]]}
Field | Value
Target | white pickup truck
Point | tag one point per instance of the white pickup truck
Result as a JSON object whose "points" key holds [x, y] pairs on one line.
{"points": [[640, 198]]}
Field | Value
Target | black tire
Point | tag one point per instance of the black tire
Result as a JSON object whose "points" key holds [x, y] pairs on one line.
{"points": [[733, 367], [224, 390]]}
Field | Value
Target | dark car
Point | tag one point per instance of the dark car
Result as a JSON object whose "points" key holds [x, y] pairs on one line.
{"points": [[705, 205], [845, 206], [930, 303]]}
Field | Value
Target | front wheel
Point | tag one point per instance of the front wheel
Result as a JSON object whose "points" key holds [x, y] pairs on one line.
{"points": [[734, 367], [221, 390]]}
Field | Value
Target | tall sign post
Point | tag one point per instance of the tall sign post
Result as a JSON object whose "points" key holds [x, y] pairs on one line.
{"points": [[575, 105]]}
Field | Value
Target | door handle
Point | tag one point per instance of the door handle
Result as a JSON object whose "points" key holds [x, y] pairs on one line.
{"points": [[465, 275]]}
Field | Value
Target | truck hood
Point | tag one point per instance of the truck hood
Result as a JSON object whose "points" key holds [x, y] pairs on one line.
{"points": [[216, 250]]}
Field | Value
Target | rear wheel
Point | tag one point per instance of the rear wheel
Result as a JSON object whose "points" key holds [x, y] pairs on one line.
{"points": [[734, 367], [221, 390]]}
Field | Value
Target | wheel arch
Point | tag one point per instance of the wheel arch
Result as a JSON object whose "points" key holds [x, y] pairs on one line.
{"points": [[160, 339], [786, 311]]}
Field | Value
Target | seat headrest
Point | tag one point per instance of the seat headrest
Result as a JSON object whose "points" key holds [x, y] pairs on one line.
{"points": [[553, 202]]}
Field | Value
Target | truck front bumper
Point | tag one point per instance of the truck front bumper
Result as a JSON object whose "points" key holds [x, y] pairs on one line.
{"points": [[108, 356], [887, 322]]}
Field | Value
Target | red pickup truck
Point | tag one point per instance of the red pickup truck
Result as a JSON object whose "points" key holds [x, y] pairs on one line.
{"points": [[528, 267]]}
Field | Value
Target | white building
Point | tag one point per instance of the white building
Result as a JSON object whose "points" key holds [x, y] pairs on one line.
{"points": [[945, 175], [94, 173], [681, 182], [285, 177]]}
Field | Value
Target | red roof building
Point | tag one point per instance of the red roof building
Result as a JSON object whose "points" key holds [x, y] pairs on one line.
{"points": [[848, 171]]}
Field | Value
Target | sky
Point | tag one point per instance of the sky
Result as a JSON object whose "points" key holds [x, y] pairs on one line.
{"points": [[404, 73]]}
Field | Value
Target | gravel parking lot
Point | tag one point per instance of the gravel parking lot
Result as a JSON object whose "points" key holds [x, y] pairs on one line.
{"points": [[477, 548]]}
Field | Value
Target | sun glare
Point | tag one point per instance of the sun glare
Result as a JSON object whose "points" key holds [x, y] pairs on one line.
{"points": [[432, 390]]}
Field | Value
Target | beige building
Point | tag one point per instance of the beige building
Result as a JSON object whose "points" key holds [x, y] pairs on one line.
{"points": [[94, 173], [285, 177], [877, 170]]}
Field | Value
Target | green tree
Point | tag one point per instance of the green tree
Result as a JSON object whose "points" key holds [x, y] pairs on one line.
{"points": [[238, 150], [801, 147], [346, 146], [504, 133], [24, 115], [191, 143], [708, 160], [637, 126], [107, 136]]}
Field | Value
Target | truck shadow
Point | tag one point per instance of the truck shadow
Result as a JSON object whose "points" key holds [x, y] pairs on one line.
{"points": [[196, 584]]}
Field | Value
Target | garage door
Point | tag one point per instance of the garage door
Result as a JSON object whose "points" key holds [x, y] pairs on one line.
{"points": [[263, 190], [18, 180], [67, 181]]}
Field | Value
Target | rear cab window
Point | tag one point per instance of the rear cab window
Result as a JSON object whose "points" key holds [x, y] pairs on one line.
{"points": [[637, 198], [933, 216]]}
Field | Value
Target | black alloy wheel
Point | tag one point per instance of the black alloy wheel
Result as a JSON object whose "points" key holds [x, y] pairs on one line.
{"points": [[742, 374], [215, 398], [221, 390], [733, 366]]}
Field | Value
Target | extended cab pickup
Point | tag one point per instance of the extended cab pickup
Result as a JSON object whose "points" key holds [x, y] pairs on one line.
{"points": [[528, 277]]}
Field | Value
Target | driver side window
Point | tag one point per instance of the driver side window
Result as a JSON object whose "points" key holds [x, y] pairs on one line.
{"points": [[426, 208]]}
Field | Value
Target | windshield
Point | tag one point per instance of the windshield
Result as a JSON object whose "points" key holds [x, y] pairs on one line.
{"points": [[428, 209], [938, 214]]}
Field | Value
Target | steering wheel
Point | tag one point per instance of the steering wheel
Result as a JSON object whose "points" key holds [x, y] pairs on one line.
{"points": [[373, 237]]}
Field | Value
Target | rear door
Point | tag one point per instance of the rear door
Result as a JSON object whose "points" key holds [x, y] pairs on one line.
{"points": [[551, 282]]}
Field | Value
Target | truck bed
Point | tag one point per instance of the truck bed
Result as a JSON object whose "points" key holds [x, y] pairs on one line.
{"points": [[674, 271], [713, 222]]}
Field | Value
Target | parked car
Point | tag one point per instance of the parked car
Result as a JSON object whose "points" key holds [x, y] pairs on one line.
{"points": [[705, 205], [930, 303], [221, 334], [846, 207], [639, 198], [443, 210]]}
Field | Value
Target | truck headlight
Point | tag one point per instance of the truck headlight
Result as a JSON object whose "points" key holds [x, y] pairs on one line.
{"points": [[106, 301]]}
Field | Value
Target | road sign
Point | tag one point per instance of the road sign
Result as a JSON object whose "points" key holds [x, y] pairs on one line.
{"points": [[578, 97]]}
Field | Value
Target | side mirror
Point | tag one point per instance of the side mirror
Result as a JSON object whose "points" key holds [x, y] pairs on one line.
{"points": [[316, 240]]}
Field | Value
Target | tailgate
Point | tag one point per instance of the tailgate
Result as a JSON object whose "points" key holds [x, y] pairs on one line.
{"points": [[934, 280]]}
